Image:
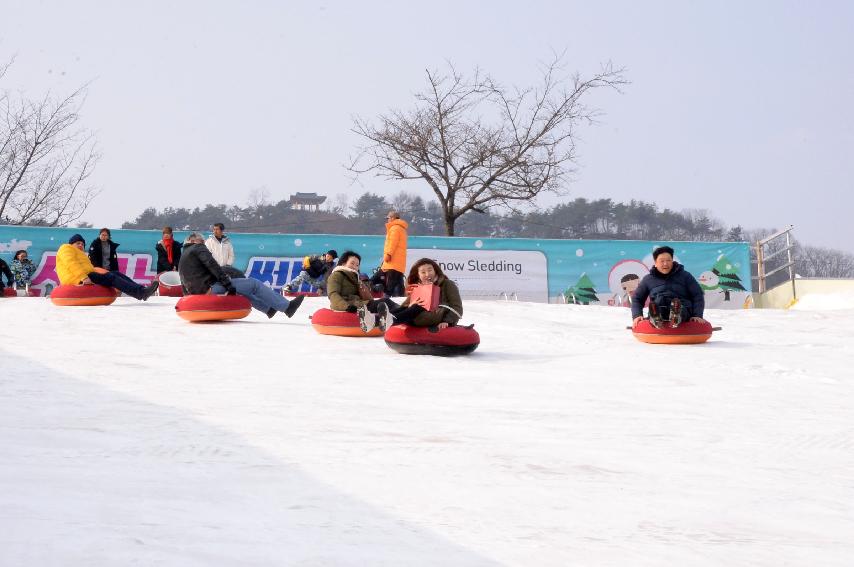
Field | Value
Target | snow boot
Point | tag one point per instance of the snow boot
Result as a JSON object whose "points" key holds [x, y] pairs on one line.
{"points": [[383, 317], [367, 320], [675, 313], [293, 306], [655, 316]]}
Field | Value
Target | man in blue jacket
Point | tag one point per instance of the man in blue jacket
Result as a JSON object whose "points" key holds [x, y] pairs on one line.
{"points": [[673, 293]]}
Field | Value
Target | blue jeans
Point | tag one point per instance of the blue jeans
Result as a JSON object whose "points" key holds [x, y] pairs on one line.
{"points": [[119, 281], [260, 296]]}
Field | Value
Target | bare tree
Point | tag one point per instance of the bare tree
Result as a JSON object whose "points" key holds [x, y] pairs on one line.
{"points": [[402, 202], [819, 262], [258, 197], [46, 160], [340, 205], [479, 144]]}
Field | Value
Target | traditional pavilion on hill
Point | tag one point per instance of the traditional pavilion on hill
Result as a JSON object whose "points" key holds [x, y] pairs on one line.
{"points": [[306, 201]]}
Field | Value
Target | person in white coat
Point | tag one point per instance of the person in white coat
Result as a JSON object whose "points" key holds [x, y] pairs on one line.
{"points": [[220, 246]]}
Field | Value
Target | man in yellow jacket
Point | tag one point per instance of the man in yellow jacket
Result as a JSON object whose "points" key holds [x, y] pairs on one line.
{"points": [[394, 254], [73, 267]]}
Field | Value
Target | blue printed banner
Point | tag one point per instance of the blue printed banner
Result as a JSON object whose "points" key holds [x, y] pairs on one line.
{"points": [[589, 272]]}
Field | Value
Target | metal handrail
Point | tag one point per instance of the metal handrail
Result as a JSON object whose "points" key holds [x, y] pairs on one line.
{"points": [[762, 275], [779, 268], [777, 253], [777, 234]]}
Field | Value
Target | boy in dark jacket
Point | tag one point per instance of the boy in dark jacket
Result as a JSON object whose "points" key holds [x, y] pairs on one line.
{"points": [[315, 269], [673, 293]]}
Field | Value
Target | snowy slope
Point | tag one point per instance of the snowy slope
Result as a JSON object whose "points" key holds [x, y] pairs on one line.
{"points": [[128, 436]]}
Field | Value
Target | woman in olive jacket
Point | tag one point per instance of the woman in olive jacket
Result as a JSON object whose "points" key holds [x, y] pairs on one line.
{"points": [[345, 290], [450, 309]]}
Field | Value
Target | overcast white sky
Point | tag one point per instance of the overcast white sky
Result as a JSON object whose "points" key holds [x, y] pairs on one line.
{"points": [[741, 108]]}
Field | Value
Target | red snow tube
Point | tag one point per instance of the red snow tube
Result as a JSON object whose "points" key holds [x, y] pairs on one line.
{"points": [[299, 293], [340, 323], [210, 307], [450, 341], [688, 333], [170, 284], [67, 295], [12, 292]]}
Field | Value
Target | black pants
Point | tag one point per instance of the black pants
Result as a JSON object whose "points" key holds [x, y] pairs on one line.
{"points": [[119, 281], [391, 282], [406, 314], [664, 310], [394, 283], [372, 305]]}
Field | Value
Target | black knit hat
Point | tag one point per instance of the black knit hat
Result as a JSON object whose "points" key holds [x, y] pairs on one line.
{"points": [[76, 238]]}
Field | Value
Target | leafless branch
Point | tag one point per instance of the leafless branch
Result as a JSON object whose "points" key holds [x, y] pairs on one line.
{"points": [[46, 159], [478, 144]]}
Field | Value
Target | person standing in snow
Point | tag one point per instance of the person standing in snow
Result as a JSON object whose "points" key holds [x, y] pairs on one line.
{"points": [[668, 285], [23, 269], [220, 246], [5, 271], [168, 252], [394, 254], [102, 252], [201, 274]]}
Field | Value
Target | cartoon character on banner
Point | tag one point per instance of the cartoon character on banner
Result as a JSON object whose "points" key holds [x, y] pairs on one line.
{"points": [[623, 280]]}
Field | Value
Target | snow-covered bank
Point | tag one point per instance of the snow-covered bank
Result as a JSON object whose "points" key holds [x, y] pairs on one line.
{"points": [[129, 436]]}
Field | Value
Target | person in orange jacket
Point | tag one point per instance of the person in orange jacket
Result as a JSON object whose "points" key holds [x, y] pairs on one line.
{"points": [[394, 254]]}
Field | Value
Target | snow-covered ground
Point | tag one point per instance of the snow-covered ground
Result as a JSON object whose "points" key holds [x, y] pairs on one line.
{"points": [[130, 437]]}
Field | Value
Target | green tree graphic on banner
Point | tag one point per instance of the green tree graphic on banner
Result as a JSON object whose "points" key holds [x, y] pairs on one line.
{"points": [[728, 279], [582, 292]]}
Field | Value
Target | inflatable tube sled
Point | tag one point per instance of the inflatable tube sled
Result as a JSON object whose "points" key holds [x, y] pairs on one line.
{"points": [[299, 293], [210, 307], [451, 341], [170, 285], [12, 292], [688, 333], [340, 323], [75, 295]]}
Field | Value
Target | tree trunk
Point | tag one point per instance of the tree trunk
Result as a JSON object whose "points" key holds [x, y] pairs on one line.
{"points": [[449, 225]]}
